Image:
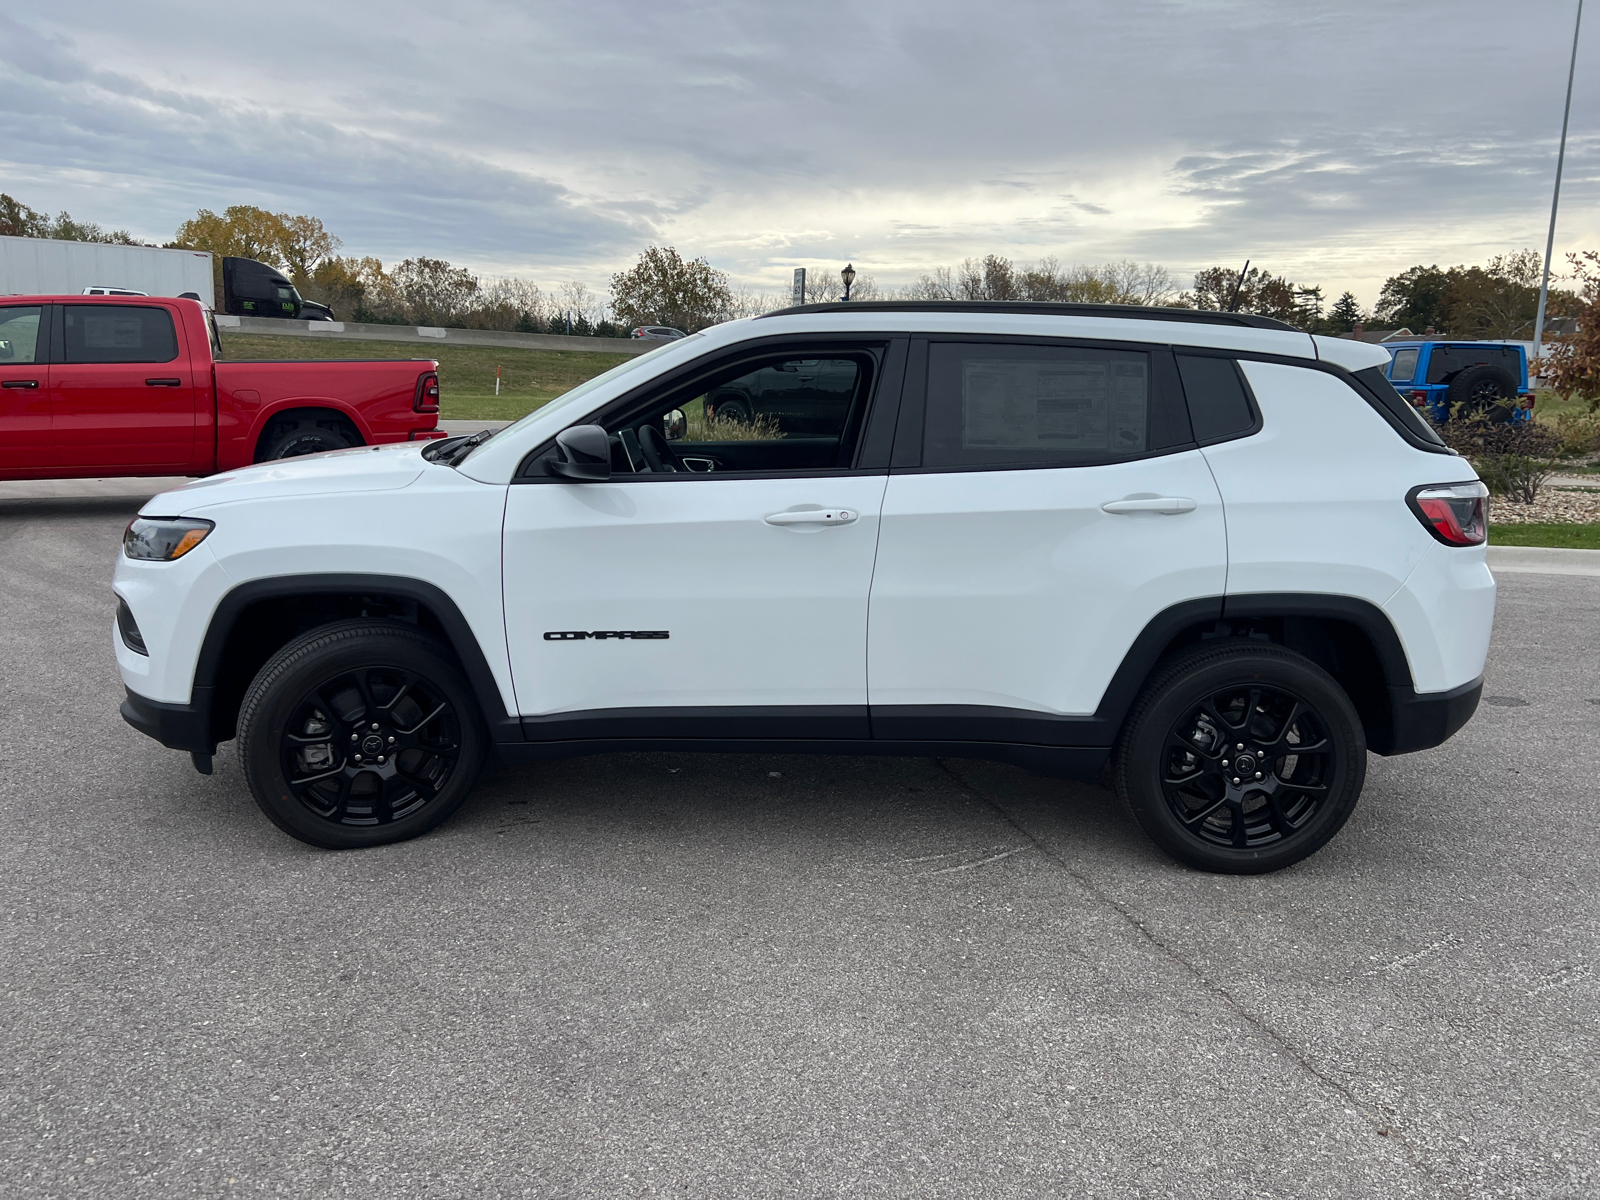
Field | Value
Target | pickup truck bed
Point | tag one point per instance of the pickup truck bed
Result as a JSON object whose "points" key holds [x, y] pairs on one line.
{"points": [[120, 385]]}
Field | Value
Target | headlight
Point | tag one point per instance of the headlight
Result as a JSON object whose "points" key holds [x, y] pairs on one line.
{"points": [[164, 538]]}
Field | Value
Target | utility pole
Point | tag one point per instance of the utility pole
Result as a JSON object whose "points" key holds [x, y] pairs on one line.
{"points": [[1561, 158]]}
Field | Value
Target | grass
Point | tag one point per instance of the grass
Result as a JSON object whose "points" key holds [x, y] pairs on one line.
{"points": [[528, 378], [1561, 537]]}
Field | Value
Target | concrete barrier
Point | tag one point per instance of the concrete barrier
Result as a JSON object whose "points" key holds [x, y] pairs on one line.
{"points": [[426, 335]]}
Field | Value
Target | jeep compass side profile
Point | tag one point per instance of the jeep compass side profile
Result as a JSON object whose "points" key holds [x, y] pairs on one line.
{"points": [[1219, 554]]}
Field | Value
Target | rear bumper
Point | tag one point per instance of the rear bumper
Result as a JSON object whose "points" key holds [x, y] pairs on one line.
{"points": [[176, 726], [1422, 720]]}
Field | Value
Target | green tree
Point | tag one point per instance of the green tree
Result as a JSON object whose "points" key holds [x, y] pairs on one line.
{"points": [[663, 288], [1572, 365], [1412, 298], [1346, 313]]}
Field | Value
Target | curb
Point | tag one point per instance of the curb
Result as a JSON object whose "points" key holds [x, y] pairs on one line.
{"points": [[1543, 560]]}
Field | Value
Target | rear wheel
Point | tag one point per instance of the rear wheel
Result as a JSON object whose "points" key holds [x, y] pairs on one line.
{"points": [[290, 439], [730, 408], [360, 734], [1242, 758]]}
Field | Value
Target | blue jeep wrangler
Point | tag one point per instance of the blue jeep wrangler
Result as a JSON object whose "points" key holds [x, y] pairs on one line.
{"points": [[1471, 378]]}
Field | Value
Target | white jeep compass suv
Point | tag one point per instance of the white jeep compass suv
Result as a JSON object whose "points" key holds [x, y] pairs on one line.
{"points": [[1218, 553]]}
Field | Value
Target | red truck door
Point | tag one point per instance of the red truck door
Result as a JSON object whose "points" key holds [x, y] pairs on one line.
{"points": [[122, 390], [24, 389]]}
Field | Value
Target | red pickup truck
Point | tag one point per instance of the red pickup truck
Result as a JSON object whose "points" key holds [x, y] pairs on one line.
{"points": [[125, 385]]}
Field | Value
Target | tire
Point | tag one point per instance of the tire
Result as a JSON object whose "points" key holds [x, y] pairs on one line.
{"points": [[1192, 717], [318, 698], [305, 437], [1482, 392], [731, 408]]}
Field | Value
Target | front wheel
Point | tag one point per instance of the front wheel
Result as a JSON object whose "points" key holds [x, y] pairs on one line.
{"points": [[1241, 757], [359, 734]]}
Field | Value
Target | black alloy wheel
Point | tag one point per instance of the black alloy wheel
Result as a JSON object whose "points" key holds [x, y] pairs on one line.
{"points": [[1241, 757], [732, 410], [1247, 766], [360, 733], [370, 746]]}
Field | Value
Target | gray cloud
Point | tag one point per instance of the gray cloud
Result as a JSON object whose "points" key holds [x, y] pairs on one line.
{"points": [[552, 139]]}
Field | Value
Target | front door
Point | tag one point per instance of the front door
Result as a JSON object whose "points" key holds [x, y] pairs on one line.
{"points": [[716, 586], [123, 395], [1046, 508], [25, 445]]}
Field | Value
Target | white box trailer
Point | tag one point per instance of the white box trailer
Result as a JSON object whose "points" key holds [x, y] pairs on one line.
{"points": [[46, 267]]}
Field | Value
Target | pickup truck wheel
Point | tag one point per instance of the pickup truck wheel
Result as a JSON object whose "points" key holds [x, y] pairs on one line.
{"points": [[304, 437], [731, 408], [1241, 757], [360, 734]]}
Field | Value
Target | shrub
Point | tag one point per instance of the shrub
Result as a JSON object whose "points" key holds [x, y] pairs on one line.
{"points": [[1577, 433], [1513, 458]]}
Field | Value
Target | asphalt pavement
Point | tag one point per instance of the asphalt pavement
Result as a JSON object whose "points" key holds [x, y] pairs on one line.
{"points": [[697, 976]]}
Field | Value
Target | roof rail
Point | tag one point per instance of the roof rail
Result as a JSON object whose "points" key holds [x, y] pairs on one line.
{"points": [[1132, 312]]}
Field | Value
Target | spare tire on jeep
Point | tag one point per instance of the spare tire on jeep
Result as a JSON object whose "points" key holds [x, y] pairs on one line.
{"points": [[1482, 392]]}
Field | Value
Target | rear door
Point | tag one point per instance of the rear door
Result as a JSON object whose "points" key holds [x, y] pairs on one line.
{"points": [[122, 389], [25, 443], [1047, 503]]}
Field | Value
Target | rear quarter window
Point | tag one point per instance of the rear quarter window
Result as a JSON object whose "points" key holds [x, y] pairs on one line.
{"points": [[1393, 408], [1219, 399]]}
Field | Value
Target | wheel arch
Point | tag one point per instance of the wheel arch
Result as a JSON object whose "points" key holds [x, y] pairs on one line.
{"points": [[254, 620], [306, 407], [1347, 636]]}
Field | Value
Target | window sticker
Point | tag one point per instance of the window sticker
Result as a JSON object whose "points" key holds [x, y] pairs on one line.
{"points": [[1018, 405]]}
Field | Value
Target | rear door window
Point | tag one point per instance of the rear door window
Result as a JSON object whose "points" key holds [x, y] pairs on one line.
{"points": [[19, 335], [1445, 362], [117, 333], [1404, 367], [997, 404]]}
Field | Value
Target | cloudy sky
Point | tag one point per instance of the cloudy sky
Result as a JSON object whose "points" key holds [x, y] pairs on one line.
{"points": [[1336, 144]]}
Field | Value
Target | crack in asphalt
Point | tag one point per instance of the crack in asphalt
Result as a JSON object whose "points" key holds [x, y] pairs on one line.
{"points": [[1287, 1048]]}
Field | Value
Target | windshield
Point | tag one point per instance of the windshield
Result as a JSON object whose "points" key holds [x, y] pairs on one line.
{"points": [[583, 389]]}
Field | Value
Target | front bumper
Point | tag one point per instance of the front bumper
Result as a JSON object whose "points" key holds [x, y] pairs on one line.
{"points": [[176, 726], [1422, 720]]}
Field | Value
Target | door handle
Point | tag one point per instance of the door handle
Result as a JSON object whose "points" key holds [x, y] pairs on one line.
{"points": [[20, 383], [163, 383], [814, 516], [1166, 505]]}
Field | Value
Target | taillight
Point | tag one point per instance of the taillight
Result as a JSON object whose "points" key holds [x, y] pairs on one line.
{"points": [[1419, 399], [1453, 512], [427, 398]]}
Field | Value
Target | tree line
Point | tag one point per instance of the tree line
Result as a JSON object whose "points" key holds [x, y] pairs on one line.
{"points": [[1493, 300]]}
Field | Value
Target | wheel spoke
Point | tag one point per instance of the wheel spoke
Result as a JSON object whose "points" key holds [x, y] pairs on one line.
{"points": [[1294, 715], [1222, 722], [408, 732], [1197, 819], [1310, 789], [342, 803], [314, 778], [399, 695], [1236, 834], [370, 706], [1280, 822]]}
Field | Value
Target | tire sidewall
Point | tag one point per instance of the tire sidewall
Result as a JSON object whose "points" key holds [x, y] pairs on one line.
{"points": [[1142, 751], [278, 690], [305, 441]]}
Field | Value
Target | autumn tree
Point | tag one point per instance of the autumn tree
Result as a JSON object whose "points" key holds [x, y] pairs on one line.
{"points": [[1572, 365], [663, 288], [1220, 289], [18, 220], [1496, 300]]}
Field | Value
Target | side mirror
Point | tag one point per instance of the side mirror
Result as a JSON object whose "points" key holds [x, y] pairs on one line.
{"points": [[675, 424], [584, 454]]}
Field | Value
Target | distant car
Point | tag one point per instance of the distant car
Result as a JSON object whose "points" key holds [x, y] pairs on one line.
{"points": [[803, 395], [101, 290], [658, 333], [1441, 378]]}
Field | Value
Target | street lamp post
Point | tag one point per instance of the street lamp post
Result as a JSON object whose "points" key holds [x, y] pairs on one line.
{"points": [[1561, 158], [849, 277]]}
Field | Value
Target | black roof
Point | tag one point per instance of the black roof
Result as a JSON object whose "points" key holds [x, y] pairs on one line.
{"points": [[1133, 312]]}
